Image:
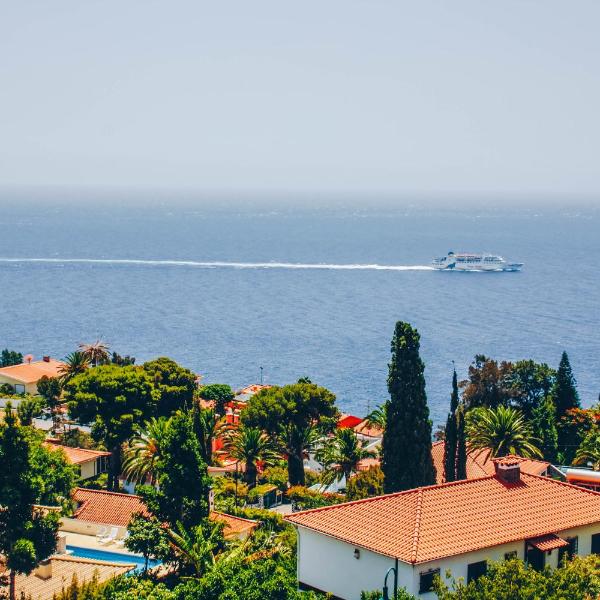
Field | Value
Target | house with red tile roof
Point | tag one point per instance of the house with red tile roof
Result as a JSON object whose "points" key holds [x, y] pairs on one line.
{"points": [[23, 378], [89, 462], [458, 527], [97, 509], [479, 464]]}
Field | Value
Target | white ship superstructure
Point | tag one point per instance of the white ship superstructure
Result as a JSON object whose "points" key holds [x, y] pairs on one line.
{"points": [[474, 262]]}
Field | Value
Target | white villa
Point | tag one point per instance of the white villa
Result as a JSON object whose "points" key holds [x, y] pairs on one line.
{"points": [[459, 526]]}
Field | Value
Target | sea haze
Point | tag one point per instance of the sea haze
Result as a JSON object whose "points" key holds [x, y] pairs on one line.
{"points": [[227, 288]]}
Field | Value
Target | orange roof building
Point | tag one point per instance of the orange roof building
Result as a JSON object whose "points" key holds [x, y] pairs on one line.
{"points": [[89, 462], [23, 378], [98, 508], [480, 463], [457, 526]]}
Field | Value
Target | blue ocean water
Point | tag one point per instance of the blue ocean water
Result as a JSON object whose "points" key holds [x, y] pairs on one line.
{"points": [[332, 324]]}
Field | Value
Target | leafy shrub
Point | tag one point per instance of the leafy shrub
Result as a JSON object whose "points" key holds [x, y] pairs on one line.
{"points": [[277, 476], [513, 580], [303, 498], [365, 484]]}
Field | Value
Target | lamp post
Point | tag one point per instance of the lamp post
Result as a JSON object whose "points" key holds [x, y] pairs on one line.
{"points": [[261, 375], [386, 594]]}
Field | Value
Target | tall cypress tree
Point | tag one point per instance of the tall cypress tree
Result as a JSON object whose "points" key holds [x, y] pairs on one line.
{"points": [[565, 391], [406, 445], [461, 444], [450, 434]]}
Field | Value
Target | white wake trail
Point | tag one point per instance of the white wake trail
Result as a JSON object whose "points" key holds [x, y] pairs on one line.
{"points": [[220, 264]]}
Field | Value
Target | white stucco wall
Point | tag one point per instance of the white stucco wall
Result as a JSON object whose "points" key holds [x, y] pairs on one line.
{"points": [[88, 469], [329, 564], [87, 527]]}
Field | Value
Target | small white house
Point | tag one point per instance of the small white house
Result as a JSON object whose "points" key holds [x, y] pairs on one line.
{"points": [[459, 526], [90, 463]]}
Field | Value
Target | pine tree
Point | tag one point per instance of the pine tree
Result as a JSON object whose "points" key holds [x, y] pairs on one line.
{"points": [[461, 444], [450, 434], [544, 429], [406, 444], [565, 398], [565, 390]]}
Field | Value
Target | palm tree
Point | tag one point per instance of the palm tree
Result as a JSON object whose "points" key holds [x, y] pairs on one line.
{"points": [[589, 450], [502, 430], [74, 364], [378, 417], [250, 445], [208, 427], [144, 450], [96, 352], [341, 454], [196, 550]]}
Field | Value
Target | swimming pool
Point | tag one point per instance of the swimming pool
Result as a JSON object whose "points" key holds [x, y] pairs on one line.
{"points": [[115, 557]]}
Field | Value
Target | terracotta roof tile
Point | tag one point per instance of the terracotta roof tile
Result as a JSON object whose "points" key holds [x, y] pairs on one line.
{"points": [[454, 518], [32, 372], [480, 464], [76, 456], [63, 569], [109, 508], [548, 542], [233, 525]]}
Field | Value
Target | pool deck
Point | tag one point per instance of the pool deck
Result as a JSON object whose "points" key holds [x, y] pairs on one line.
{"points": [[91, 542]]}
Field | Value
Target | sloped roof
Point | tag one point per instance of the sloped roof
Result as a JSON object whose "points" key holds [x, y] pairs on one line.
{"points": [[76, 456], [110, 508], [434, 522], [63, 569], [479, 463], [233, 525], [32, 372]]}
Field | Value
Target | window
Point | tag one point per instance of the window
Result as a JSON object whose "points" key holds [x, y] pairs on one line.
{"points": [[569, 551], [476, 570], [19, 389], [510, 555], [596, 543], [426, 580]]}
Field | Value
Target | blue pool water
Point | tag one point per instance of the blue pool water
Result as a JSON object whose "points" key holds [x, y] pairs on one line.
{"points": [[115, 557]]}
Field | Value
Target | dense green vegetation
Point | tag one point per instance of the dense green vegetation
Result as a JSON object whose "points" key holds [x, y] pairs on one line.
{"points": [[406, 447], [296, 416], [36, 477]]}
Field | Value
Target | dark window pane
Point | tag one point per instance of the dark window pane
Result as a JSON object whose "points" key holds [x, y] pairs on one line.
{"points": [[476, 570], [596, 543], [426, 580]]}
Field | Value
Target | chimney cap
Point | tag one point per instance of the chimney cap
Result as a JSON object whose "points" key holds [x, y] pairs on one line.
{"points": [[508, 468]]}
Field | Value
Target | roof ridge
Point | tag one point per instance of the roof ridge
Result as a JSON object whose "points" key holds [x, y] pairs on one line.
{"points": [[563, 483], [91, 561], [415, 542], [392, 495], [87, 490], [224, 514]]}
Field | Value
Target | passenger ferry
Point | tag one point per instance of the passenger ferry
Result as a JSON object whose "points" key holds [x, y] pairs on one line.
{"points": [[474, 262]]}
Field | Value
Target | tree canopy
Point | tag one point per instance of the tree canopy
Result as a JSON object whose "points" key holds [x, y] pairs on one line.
{"points": [[182, 482], [115, 400], [219, 393], [289, 413], [175, 385], [406, 444], [27, 535]]}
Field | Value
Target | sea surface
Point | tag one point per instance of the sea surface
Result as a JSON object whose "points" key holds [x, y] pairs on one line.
{"points": [[228, 287]]}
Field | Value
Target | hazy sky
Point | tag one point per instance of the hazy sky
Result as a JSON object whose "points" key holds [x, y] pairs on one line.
{"points": [[314, 95]]}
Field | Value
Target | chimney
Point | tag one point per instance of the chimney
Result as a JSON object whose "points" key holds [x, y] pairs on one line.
{"points": [[44, 570], [508, 469], [46, 359]]}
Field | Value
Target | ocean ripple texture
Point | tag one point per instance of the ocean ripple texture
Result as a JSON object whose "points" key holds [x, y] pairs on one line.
{"points": [[300, 292]]}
